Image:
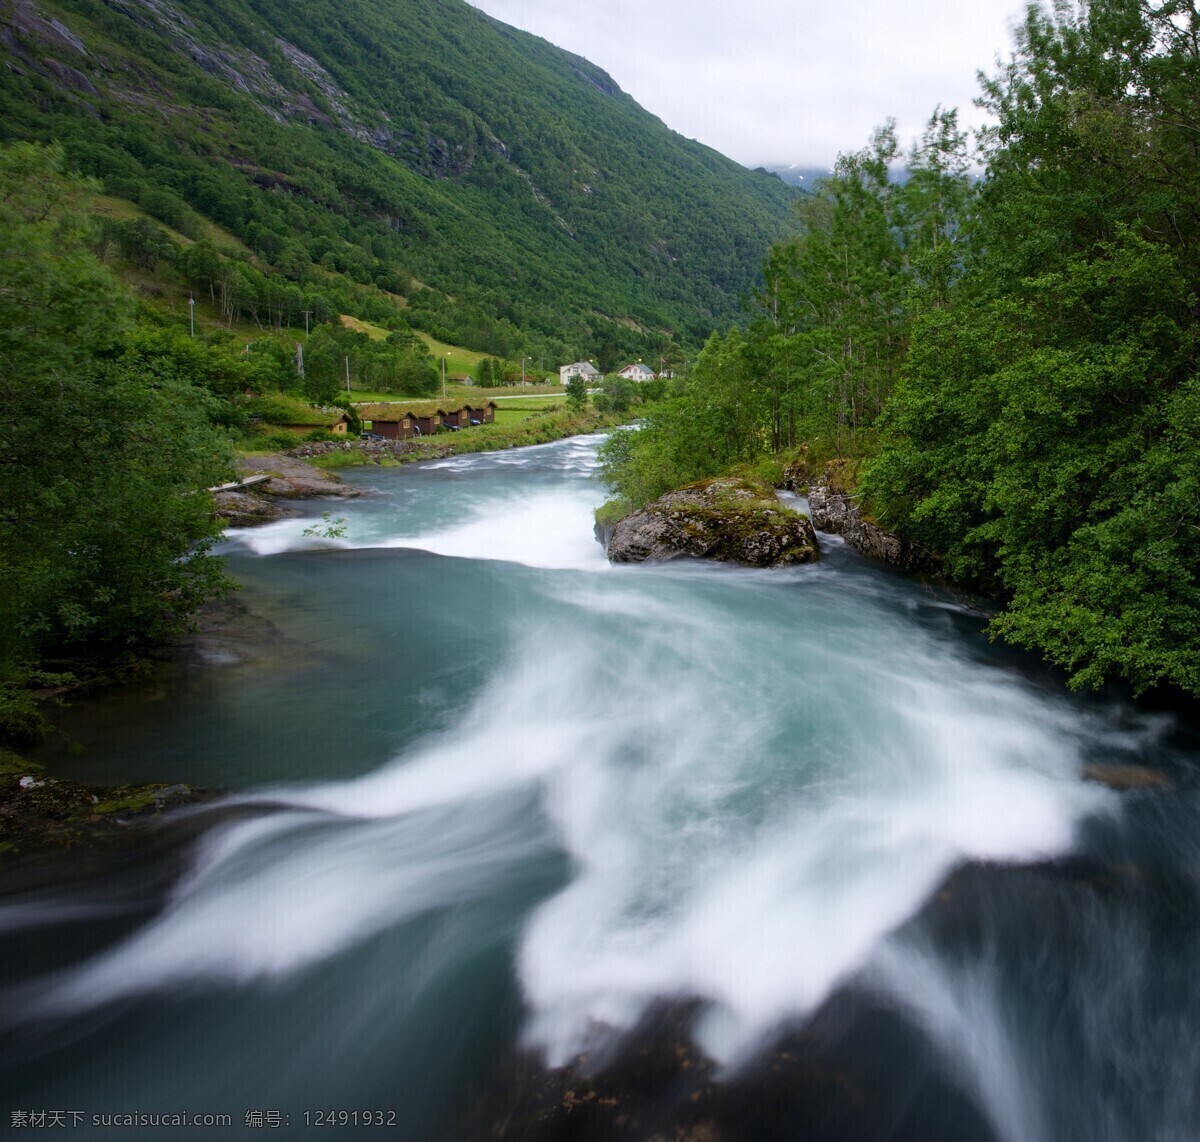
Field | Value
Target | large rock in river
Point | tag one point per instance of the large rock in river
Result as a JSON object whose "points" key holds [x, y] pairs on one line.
{"points": [[726, 519]]}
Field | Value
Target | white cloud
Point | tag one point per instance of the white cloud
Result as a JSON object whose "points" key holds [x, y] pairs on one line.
{"points": [[767, 81]]}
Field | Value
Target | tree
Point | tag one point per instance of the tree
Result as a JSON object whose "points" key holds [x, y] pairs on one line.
{"points": [[105, 451], [577, 394], [616, 393], [832, 322], [714, 423], [1045, 437]]}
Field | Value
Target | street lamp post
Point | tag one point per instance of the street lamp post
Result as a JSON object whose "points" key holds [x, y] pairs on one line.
{"points": [[523, 360]]}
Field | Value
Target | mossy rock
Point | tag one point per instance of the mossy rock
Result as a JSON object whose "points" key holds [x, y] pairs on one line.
{"points": [[39, 812], [14, 765], [727, 519]]}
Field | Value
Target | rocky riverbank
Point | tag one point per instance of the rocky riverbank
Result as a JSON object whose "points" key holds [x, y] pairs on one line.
{"points": [[840, 513], [726, 519], [291, 477], [378, 451], [836, 509]]}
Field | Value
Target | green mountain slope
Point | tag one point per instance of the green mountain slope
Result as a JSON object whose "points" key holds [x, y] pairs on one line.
{"points": [[401, 144]]}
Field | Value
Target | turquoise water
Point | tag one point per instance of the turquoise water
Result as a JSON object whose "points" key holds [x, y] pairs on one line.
{"points": [[487, 791]]}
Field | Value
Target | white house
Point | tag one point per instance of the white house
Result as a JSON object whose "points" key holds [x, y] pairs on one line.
{"points": [[637, 372], [584, 369]]}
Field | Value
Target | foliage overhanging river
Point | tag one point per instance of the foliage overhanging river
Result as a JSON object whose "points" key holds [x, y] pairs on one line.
{"points": [[494, 796]]}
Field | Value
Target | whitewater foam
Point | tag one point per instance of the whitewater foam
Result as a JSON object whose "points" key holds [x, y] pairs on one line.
{"points": [[755, 779]]}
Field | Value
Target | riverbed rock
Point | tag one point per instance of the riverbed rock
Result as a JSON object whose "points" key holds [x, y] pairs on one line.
{"points": [[1126, 777], [838, 511], [797, 475], [726, 519], [293, 479], [38, 812], [245, 509]]}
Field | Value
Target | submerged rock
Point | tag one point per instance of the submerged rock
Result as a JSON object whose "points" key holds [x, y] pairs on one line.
{"points": [[39, 812], [725, 519], [1124, 777]]}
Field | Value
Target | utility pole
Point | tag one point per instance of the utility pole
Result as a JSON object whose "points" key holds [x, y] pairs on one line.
{"points": [[444, 356], [306, 315], [347, 374], [192, 313]]}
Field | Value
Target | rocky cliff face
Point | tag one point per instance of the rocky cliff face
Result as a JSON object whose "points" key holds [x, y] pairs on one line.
{"points": [[724, 519], [838, 512]]}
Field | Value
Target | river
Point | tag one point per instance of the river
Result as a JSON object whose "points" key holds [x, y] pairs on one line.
{"points": [[494, 804]]}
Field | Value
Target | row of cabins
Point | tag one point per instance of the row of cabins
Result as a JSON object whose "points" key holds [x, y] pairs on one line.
{"points": [[402, 420]]}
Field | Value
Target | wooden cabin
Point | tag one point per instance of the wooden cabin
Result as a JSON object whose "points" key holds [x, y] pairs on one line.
{"points": [[482, 413]]}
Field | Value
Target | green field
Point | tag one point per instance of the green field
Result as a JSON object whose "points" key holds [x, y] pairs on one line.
{"points": [[550, 400], [513, 411], [530, 397], [460, 362], [518, 432]]}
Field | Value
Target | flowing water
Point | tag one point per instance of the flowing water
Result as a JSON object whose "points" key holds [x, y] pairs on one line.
{"points": [[490, 795]]}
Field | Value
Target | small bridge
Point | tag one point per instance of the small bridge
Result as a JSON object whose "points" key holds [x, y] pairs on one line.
{"points": [[248, 482]]}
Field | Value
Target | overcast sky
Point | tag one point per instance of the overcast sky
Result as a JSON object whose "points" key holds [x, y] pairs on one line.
{"points": [[777, 82]]}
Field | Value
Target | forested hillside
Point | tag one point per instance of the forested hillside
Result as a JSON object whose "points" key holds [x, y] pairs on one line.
{"points": [[1007, 372], [411, 153]]}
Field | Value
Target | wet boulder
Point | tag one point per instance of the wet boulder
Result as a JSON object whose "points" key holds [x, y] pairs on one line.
{"points": [[726, 519], [245, 509], [1126, 777], [838, 511]]}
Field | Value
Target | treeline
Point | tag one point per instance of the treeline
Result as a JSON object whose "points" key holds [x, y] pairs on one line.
{"points": [[109, 431], [1010, 367], [830, 330], [115, 421], [240, 292]]}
